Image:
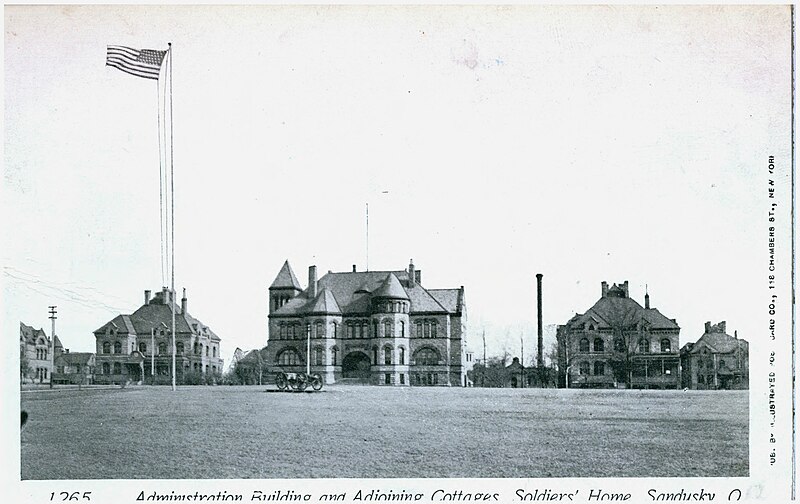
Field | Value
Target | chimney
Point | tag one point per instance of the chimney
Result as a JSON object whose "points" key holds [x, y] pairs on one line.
{"points": [[354, 268], [604, 287], [312, 282], [736, 334], [164, 295], [722, 325], [539, 333], [183, 301], [411, 278], [625, 288], [146, 296], [418, 276], [708, 327]]}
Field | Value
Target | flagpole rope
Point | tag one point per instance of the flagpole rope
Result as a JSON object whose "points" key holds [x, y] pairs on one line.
{"points": [[172, 198], [161, 183]]}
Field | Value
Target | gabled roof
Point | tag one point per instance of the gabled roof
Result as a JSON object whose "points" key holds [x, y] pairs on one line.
{"points": [[324, 303], [253, 356], [352, 293], [719, 343], [390, 288], [30, 334], [67, 359], [448, 298], [152, 315], [610, 312], [286, 279]]}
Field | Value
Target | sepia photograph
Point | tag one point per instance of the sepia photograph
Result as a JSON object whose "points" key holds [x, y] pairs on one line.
{"points": [[217, 220]]}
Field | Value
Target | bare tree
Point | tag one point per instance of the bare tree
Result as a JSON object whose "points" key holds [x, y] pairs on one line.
{"points": [[626, 324]]}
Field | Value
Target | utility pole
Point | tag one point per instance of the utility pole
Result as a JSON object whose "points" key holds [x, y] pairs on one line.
{"points": [[483, 375], [52, 343], [308, 349], [152, 356], [522, 359]]}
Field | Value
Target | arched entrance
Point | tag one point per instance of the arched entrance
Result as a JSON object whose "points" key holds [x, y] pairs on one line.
{"points": [[356, 366]]}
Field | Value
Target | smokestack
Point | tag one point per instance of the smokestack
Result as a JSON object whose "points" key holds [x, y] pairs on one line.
{"points": [[146, 296], [184, 301], [411, 274], [604, 287], [540, 334], [312, 282]]}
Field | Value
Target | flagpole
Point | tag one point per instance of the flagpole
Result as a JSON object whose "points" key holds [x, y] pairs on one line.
{"points": [[172, 212]]}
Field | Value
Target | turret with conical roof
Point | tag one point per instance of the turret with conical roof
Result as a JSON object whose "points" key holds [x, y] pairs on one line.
{"points": [[284, 288]]}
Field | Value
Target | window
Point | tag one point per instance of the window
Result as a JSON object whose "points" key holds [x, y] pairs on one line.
{"points": [[318, 356], [350, 331], [319, 330], [206, 352], [106, 347], [584, 345], [665, 345], [213, 351], [282, 331], [196, 348], [584, 368], [387, 356], [288, 357], [179, 348], [701, 379], [117, 368], [599, 368], [375, 355], [402, 356], [106, 368], [426, 357], [77, 368], [162, 348], [387, 329], [333, 355], [117, 347], [363, 330], [433, 329], [418, 330], [427, 329], [335, 330], [388, 379], [619, 345], [721, 363], [402, 379], [644, 345], [599, 346], [402, 329]]}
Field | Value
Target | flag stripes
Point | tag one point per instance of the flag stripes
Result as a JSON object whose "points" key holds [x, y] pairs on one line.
{"points": [[145, 63]]}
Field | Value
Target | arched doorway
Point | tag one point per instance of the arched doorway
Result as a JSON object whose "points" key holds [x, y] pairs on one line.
{"points": [[356, 366]]}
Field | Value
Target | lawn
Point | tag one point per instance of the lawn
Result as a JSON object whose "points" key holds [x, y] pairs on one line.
{"points": [[377, 432]]}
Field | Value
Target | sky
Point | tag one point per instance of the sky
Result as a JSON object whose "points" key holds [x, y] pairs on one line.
{"points": [[490, 143]]}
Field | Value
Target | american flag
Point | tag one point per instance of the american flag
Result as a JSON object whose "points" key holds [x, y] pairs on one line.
{"points": [[141, 63]]}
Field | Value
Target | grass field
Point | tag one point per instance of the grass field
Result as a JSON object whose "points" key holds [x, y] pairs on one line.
{"points": [[374, 432]]}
